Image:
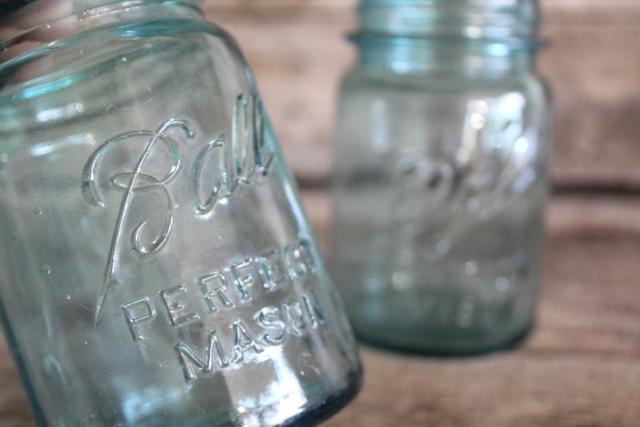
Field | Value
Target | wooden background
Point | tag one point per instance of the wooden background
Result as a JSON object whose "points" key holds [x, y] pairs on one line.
{"points": [[581, 367], [298, 52]]}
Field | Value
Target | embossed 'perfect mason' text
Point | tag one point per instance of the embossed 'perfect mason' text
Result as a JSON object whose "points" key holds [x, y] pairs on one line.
{"points": [[248, 301]]}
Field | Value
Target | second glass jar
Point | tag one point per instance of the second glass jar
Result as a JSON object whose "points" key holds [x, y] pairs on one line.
{"points": [[441, 175]]}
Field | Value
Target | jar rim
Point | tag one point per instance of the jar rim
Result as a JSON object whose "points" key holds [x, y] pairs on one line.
{"points": [[24, 36], [514, 22], [48, 21]]}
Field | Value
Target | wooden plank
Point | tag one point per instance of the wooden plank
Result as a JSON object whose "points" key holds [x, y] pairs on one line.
{"points": [[608, 6], [298, 52], [571, 217], [581, 367], [298, 55]]}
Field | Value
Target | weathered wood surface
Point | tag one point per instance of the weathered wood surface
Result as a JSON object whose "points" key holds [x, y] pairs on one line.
{"points": [[298, 52], [580, 368]]}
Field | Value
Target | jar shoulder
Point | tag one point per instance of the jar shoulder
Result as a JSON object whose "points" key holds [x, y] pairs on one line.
{"points": [[382, 114], [360, 82], [107, 70], [75, 58]]}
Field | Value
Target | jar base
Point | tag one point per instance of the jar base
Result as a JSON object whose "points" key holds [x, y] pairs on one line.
{"points": [[330, 406], [445, 349]]}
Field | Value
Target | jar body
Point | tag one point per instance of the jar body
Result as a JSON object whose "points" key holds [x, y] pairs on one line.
{"points": [[439, 193], [157, 268]]}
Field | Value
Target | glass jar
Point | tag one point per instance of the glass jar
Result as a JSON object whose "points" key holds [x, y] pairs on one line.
{"points": [[156, 268], [441, 175]]}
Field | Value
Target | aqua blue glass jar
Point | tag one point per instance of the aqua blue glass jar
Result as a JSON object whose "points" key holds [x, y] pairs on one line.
{"points": [[441, 175], [156, 268]]}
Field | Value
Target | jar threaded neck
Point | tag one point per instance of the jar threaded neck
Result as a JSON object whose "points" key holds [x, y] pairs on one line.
{"points": [[512, 22]]}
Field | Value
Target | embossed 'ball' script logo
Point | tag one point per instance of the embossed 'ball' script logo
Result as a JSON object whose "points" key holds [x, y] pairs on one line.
{"points": [[245, 154]]}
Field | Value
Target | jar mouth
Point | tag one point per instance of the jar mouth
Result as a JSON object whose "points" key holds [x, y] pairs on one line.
{"points": [[512, 22], [28, 24], [27, 52]]}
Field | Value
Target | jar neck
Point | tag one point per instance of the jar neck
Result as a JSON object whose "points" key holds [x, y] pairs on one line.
{"points": [[449, 57], [468, 38], [469, 19], [27, 25]]}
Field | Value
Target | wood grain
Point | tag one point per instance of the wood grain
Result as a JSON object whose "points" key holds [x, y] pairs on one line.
{"points": [[298, 52], [580, 368]]}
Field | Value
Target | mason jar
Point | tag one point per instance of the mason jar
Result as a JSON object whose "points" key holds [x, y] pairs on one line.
{"points": [[441, 175], [156, 267]]}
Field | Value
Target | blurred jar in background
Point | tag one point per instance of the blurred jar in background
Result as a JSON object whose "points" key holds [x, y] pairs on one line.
{"points": [[156, 268], [441, 175]]}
